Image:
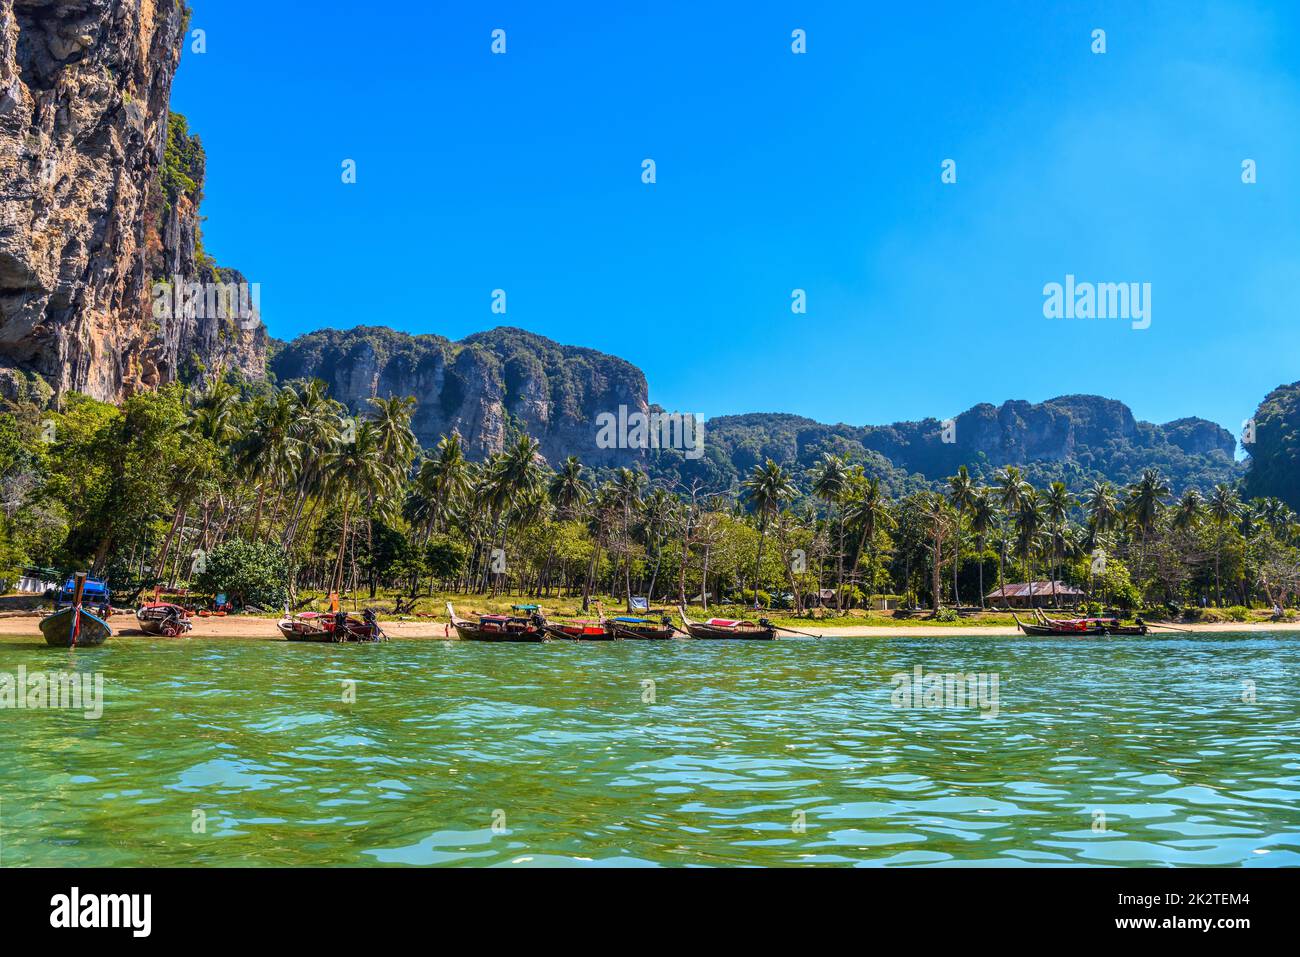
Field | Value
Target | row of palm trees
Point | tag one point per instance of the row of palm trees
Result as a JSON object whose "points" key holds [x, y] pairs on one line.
{"points": [[271, 469], [1025, 522]]}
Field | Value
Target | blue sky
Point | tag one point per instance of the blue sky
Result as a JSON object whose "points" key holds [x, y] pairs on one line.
{"points": [[776, 171]]}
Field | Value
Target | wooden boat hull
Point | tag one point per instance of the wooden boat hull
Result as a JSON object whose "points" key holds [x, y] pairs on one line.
{"points": [[580, 633], [163, 623], [1054, 631], [354, 631], [709, 632], [291, 633], [643, 634], [59, 627], [470, 632], [1038, 631]]}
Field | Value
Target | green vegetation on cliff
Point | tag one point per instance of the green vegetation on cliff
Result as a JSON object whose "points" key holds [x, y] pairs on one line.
{"points": [[1275, 454]]}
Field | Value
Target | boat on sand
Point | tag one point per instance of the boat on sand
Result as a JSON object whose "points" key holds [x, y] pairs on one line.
{"points": [[336, 627], [164, 619], [516, 627], [73, 626]]}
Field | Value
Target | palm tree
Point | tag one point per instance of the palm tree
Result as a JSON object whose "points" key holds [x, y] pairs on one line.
{"points": [[658, 512], [1223, 507], [627, 487], [983, 519], [568, 490], [830, 481], [1146, 500], [318, 422], [355, 471], [1010, 491], [1103, 507], [938, 519], [767, 488], [1058, 503], [870, 512], [392, 420], [1188, 511], [512, 477], [268, 453], [961, 492], [1029, 526]]}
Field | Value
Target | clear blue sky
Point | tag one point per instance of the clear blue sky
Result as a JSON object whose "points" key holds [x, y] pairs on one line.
{"points": [[776, 172]]}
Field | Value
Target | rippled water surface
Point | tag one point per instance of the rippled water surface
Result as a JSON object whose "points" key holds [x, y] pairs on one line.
{"points": [[1121, 752]]}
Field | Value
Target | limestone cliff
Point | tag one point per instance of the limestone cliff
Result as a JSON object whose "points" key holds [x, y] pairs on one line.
{"points": [[86, 221], [482, 386], [1275, 453], [1077, 439]]}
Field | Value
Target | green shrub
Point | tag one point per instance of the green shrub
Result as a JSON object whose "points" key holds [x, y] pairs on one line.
{"points": [[947, 614], [1238, 613], [250, 573]]}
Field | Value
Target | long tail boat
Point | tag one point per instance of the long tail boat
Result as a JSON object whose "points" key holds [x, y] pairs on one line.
{"points": [[164, 619], [531, 627], [336, 627], [73, 627], [1110, 626], [1083, 628], [580, 630], [641, 628], [762, 630]]}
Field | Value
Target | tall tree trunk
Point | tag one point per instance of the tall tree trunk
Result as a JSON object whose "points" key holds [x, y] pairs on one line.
{"points": [[336, 581], [758, 562]]}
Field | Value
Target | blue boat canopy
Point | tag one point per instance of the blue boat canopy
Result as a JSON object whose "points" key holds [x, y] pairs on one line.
{"points": [[640, 621], [524, 607], [94, 588]]}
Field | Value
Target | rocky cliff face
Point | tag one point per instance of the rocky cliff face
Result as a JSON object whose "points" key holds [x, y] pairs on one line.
{"points": [[1077, 439], [86, 223], [1275, 453], [482, 386]]}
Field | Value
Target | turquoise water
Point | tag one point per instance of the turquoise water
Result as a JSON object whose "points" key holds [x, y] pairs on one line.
{"points": [[236, 752]]}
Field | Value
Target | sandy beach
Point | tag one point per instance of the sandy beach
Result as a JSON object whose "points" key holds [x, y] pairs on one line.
{"points": [[241, 626]]}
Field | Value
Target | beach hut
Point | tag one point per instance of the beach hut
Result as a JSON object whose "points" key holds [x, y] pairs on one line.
{"points": [[1041, 594]]}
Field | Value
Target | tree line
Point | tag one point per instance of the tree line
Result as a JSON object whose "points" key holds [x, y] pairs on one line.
{"points": [[276, 492]]}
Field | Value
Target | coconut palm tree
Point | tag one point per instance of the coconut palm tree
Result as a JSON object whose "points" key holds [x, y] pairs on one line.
{"points": [[1146, 501], [355, 471], [983, 520], [961, 492], [1223, 508], [627, 488], [392, 422], [268, 453], [869, 512], [767, 489], [830, 483], [939, 520], [1029, 527], [1009, 490], [512, 477], [317, 429], [1189, 511], [568, 490], [1057, 505]]}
